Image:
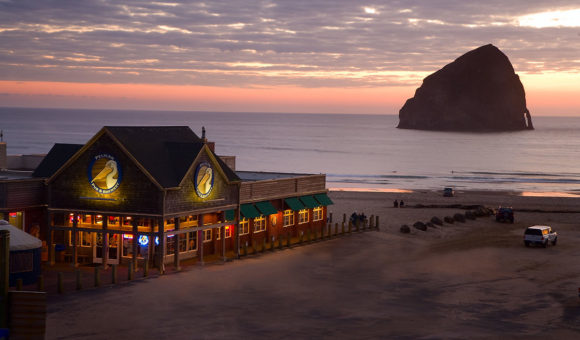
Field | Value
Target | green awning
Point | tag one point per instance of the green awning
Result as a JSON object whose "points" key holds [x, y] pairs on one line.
{"points": [[323, 199], [230, 215], [266, 208], [249, 211], [309, 201], [294, 203]]}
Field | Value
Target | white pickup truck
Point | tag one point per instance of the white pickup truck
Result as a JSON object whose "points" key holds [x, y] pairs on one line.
{"points": [[541, 235]]}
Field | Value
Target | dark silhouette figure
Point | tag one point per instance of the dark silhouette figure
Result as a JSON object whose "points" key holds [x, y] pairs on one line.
{"points": [[402, 204], [395, 204]]}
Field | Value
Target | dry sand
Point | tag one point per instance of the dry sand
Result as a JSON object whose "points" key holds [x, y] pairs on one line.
{"points": [[460, 281]]}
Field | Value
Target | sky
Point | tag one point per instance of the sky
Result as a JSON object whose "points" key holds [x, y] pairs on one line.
{"points": [[308, 56]]}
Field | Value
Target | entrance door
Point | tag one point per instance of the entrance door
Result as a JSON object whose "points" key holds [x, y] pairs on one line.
{"points": [[114, 248]]}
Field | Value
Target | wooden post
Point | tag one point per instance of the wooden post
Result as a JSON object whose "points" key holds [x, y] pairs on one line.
{"points": [[74, 234], [272, 243], [146, 268], [336, 229], [130, 271], [135, 243], [105, 241], [49, 244], [59, 283], [342, 230], [343, 218], [329, 230], [114, 277], [97, 277], [176, 263], [161, 253], [4, 276], [79, 284], [40, 283], [200, 241], [330, 218], [223, 237]]}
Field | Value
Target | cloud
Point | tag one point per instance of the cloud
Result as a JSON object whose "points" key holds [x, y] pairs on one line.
{"points": [[314, 43]]}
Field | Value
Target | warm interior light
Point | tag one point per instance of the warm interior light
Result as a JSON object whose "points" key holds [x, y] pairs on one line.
{"points": [[128, 236]]}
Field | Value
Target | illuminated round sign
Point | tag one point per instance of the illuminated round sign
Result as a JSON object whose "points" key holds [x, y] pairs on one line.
{"points": [[203, 179], [104, 173], [143, 240]]}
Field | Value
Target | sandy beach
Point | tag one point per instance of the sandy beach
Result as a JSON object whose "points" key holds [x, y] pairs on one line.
{"points": [[462, 280]]}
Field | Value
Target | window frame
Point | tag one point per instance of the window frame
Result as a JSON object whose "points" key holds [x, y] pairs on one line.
{"points": [[289, 218], [303, 216], [244, 226], [259, 224], [317, 214]]}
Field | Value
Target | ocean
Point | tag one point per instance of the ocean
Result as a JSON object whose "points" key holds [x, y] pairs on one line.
{"points": [[355, 151]]}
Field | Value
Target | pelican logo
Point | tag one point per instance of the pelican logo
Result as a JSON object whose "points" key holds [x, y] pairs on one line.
{"points": [[203, 179], [104, 173]]}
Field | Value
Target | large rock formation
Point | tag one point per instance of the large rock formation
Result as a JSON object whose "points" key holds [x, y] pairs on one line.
{"points": [[479, 91]]}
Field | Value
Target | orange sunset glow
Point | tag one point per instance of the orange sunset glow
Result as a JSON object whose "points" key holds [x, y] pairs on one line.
{"points": [[350, 58]]}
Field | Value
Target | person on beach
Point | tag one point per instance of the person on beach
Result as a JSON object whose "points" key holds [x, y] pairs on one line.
{"points": [[395, 204], [401, 204], [353, 217]]}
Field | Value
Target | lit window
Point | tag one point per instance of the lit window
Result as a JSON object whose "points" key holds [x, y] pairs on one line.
{"points": [[207, 235], [288, 218], [229, 231], [317, 214], [192, 240], [259, 224], [218, 233], [244, 226], [85, 238], [303, 216]]}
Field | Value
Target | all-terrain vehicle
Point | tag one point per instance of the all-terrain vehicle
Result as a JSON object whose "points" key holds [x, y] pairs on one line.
{"points": [[504, 214]]}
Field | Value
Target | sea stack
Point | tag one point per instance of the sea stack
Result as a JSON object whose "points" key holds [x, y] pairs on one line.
{"points": [[478, 92]]}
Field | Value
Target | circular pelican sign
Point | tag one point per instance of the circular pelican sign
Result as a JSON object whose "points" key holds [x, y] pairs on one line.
{"points": [[104, 173], [203, 180]]}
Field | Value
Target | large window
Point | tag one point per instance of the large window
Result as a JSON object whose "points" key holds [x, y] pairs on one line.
{"points": [[207, 235], [229, 231], [317, 214], [259, 224], [244, 226], [188, 241], [288, 218], [303, 216]]}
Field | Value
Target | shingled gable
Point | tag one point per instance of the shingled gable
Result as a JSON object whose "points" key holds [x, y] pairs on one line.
{"points": [[58, 155], [222, 167], [164, 153]]}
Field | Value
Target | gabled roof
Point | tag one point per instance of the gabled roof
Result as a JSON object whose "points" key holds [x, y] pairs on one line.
{"points": [[166, 152], [55, 159]]}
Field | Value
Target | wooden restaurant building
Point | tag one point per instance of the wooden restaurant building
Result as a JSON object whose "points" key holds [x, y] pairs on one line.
{"points": [[162, 194]]}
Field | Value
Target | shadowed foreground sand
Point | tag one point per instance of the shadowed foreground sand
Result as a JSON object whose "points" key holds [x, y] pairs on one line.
{"points": [[466, 280]]}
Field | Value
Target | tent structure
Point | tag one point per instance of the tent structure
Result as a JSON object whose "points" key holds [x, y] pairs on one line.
{"points": [[25, 251]]}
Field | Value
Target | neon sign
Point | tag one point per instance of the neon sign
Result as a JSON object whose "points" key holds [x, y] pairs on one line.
{"points": [[144, 240]]}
